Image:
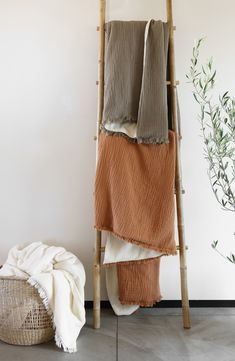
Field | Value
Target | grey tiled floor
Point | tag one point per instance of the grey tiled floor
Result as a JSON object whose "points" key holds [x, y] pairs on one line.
{"points": [[149, 334]]}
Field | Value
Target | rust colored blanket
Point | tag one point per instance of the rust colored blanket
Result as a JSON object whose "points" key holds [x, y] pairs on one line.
{"points": [[134, 192], [138, 282], [134, 199]]}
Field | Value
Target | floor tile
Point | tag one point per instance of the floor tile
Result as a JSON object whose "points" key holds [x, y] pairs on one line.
{"points": [[149, 334], [157, 334], [97, 345]]}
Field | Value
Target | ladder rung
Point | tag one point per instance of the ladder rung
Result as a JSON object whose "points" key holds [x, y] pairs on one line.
{"points": [[178, 248], [102, 249], [98, 28], [182, 191], [168, 82]]}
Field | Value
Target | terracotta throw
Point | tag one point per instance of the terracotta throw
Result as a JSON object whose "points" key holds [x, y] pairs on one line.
{"points": [[138, 282], [135, 80], [134, 192], [134, 199]]}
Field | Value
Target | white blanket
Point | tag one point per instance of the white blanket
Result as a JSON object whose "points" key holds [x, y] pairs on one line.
{"points": [[118, 250], [59, 278]]}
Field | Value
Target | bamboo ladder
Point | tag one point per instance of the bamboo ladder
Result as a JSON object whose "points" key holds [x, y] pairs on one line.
{"points": [[172, 83]]}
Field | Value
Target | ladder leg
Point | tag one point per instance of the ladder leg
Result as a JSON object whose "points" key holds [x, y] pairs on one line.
{"points": [[183, 264], [178, 181], [97, 254], [96, 281]]}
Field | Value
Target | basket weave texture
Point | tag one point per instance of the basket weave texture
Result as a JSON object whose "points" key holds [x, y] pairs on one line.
{"points": [[23, 317]]}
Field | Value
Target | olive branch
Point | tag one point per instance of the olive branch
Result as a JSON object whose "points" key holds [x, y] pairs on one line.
{"points": [[217, 120]]}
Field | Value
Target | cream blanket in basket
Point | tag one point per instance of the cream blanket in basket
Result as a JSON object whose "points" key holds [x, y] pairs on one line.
{"points": [[60, 278]]}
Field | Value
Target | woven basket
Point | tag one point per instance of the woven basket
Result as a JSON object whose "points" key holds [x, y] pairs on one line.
{"points": [[23, 317]]}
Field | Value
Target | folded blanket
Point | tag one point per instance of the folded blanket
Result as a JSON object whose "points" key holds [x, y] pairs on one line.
{"points": [[134, 200], [113, 293], [138, 282], [135, 80], [117, 250], [119, 253], [134, 192], [59, 278]]}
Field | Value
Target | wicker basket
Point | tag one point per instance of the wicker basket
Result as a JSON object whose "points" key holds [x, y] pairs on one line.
{"points": [[23, 317]]}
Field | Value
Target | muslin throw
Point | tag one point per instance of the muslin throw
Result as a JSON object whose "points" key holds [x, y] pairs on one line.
{"points": [[59, 277], [134, 200], [116, 251], [134, 192], [113, 293], [138, 282], [135, 98]]}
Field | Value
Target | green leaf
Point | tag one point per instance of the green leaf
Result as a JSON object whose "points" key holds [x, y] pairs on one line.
{"points": [[212, 77], [210, 63], [196, 98], [223, 203], [224, 94], [214, 244], [231, 258], [203, 69]]}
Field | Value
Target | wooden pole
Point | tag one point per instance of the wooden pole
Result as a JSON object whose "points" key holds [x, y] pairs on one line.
{"points": [[97, 251], [178, 179]]}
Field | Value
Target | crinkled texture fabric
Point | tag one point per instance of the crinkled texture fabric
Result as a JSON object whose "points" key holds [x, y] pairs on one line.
{"points": [[113, 293], [138, 282], [135, 80], [134, 192], [134, 200], [119, 251]]}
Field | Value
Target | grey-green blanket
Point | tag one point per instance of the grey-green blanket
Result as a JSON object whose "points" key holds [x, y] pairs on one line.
{"points": [[135, 78]]}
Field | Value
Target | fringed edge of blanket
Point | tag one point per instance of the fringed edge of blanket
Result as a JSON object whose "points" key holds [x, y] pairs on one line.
{"points": [[151, 140], [166, 251], [58, 340], [142, 304], [138, 140]]}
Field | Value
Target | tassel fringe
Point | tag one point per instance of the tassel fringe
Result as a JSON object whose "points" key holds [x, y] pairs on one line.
{"points": [[59, 342], [138, 140], [166, 251]]}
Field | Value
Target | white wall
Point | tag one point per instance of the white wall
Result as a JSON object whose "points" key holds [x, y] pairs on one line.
{"points": [[48, 97]]}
